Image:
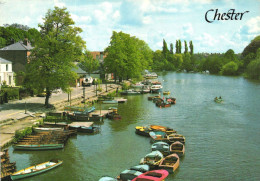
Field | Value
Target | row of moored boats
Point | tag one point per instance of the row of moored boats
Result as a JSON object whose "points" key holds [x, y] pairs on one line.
{"points": [[164, 158]]}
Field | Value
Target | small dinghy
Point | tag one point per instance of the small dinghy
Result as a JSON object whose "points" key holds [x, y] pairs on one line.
{"points": [[35, 170]]}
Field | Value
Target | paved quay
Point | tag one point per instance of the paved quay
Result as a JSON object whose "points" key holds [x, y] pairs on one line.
{"points": [[19, 114]]}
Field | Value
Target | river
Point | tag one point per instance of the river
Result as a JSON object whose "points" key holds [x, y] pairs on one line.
{"points": [[222, 140]]}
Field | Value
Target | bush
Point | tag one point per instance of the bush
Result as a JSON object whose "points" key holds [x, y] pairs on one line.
{"points": [[21, 134], [125, 86], [12, 92], [230, 68]]}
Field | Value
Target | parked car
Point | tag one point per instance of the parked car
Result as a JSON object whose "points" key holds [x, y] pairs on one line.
{"points": [[87, 81]]}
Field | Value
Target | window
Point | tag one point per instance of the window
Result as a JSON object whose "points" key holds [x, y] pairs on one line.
{"points": [[6, 67]]}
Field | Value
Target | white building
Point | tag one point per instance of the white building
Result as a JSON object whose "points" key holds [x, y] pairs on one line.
{"points": [[6, 72]]}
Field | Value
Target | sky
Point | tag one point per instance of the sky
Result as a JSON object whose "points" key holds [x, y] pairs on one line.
{"points": [[148, 20]]}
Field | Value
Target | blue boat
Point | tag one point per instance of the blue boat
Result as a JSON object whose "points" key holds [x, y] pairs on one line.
{"points": [[163, 147], [152, 159], [133, 172]]}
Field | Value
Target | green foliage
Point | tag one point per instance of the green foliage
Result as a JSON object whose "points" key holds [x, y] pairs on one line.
{"points": [[125, 86], [171, 48], [88, 63], [127, 56], [22, 133], [179, 42], [12, 92], [230, 68], [16, 32], [252, 46], [186, 47], [191, 48], [52, 58], [165, 49], [253, 68]]}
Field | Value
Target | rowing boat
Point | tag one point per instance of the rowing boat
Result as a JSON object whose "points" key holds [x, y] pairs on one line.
{"points": [[35, 170]]}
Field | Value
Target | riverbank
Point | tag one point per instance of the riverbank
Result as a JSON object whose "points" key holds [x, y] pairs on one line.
{"points": [[20, 114]]}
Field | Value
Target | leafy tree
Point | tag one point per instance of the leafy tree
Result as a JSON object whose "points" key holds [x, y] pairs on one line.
{"points": [[187, 62], [177, 46], [191, 48], [230, 68], [165, 50], [252, 47], [52, 58], [127, 56], [253, 68], [178, 61], [88, 63], [158, 58], [186, 47]]}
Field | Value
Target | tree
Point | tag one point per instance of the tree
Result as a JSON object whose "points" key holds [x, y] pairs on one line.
{"points": [[191, 48], [171, 48], [230, 68], [52, 58], [253, 68], [186, 47], [165, 50], [179, 46], [127, 56], [88, 63]]}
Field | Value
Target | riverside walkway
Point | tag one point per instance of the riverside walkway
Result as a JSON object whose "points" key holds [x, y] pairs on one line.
{"points": [[13, 114]]}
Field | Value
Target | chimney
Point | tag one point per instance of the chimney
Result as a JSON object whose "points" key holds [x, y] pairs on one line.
{"points": [[25, 41]]}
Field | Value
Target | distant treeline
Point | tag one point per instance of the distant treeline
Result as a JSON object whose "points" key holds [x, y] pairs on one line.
{"points": [[127, 56], [228, 63]]}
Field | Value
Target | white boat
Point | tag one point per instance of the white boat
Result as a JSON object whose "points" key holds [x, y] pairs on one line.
{"points": [[151, 75], [38, 130], [120, 99], [110, 102], [156, 88], [37, 169], [137, 85]]}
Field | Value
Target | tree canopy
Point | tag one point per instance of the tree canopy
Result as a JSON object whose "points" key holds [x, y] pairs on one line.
{"points": [[52, 58], [10, 34], [88, 63], [127, 56]]}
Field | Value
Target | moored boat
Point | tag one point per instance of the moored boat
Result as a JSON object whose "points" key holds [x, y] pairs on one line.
{"points": [[163, 147], [156, 88], [167, 130], [152, 97], [110, 102], [178, 148], [130, 92], [133, 172], [171, 100], [38, 146], [106, 178], [166, 92], [170, 163], [152, 159], [38, 130], [176, 137], [154, 175], [142, 130], [37, 169]]}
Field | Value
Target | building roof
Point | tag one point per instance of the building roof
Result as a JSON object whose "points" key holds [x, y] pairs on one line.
{"points": [[4, 61], [18, 46], [78, 70]]}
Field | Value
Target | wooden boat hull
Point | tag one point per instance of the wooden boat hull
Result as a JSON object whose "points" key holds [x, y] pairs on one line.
{"points": [[20, 176], [39, 147], [178, 148], [170, 163]]}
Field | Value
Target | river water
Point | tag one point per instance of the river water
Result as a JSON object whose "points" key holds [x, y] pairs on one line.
{"points": [[222, 140]]}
